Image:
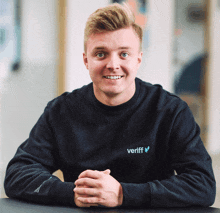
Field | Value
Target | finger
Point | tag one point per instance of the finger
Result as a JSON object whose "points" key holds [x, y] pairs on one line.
{"points": [[85, 182], [90, 174], [92, 204], [80, 204], [86, 192], [79, 195], [82, 186], [91, 200], [107, 171], [85, 205]]}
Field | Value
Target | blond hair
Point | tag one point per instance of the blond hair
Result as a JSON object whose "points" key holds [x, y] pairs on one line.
{"points": [[111, 18]]}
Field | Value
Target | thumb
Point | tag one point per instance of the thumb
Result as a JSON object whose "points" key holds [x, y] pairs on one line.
{"points": [[107, 171]]}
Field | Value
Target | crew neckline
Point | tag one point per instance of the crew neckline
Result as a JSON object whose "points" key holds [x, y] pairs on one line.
{"points": [[120, 107]]}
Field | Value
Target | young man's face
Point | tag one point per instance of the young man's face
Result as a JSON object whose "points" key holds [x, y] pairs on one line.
{"points": [[113, 59]]}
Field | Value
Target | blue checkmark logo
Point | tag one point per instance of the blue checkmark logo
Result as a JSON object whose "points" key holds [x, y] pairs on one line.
{"points": [[147, 149]]}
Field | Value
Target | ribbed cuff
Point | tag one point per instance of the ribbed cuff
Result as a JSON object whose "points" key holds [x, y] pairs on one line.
{"points": [[136, 195]]}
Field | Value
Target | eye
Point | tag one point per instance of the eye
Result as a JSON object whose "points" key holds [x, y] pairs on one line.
{"points": [[124, 55], [100, 54]]}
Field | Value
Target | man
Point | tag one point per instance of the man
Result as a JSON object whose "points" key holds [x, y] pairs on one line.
{"points": [[119, 140]]}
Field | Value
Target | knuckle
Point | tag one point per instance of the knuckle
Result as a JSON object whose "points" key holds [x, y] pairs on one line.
{"points": [[83, 191], [83, 181], [101, 201], [88, 171], [86, 200], [90, 200], [99, 193], [99, 185], [85, 173]]}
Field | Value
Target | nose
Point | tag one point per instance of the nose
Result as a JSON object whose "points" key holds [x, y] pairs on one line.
{"points": [[113, 62]]}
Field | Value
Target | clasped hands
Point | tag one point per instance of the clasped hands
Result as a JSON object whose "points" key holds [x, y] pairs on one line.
{"points": [[94, 188]]}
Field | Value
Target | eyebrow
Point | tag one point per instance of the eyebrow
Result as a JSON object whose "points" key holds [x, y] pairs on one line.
{"points": [[125, 48], [103, 48]]}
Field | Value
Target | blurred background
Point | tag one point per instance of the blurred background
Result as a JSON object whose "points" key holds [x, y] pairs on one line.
{"points": [[41, 46]]}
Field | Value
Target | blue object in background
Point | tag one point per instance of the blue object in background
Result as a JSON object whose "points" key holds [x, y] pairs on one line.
{"points": [[191, 77], [10, 32]]}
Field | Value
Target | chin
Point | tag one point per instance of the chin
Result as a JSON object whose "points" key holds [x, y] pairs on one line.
{"points": [[111, 93], [111, 88]]}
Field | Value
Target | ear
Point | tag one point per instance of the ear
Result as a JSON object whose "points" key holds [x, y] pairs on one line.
{"points": [[140, 58], [85, 60]]}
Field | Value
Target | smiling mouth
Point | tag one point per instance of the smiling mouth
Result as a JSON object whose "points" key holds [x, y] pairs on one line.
{"points": [[113, 77]]}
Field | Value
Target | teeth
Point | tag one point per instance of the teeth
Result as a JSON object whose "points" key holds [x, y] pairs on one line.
{"points": [[113, 77]]}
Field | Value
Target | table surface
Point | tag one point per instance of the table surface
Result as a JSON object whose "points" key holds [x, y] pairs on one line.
{"points": [[8, 205]]}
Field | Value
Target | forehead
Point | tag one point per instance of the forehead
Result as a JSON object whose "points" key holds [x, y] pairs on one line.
{"points": [[119, 39]]}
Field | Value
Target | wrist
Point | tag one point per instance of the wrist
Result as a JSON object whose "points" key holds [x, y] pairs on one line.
{"points": [[120, 196]]}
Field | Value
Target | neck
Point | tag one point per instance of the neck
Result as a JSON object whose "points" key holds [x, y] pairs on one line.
{"points": [[114, 99]]}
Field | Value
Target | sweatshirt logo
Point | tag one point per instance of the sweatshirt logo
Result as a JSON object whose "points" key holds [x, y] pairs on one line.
{"points": [[138, 150]]}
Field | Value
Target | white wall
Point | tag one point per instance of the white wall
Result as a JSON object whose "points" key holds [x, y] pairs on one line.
{"points": [[77, 13], [214, 79], [157, 61], [25, 93]]}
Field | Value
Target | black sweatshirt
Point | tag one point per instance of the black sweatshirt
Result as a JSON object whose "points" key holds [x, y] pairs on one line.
{"points": [[143, 142]]}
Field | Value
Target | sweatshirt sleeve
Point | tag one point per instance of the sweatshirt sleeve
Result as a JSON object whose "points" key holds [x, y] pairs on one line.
{"points": [[194, 183], [29, 173]]}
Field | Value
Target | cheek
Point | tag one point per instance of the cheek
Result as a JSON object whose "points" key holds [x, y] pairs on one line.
{"points": [[95, 66], [95, 69], [131, 67]]}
